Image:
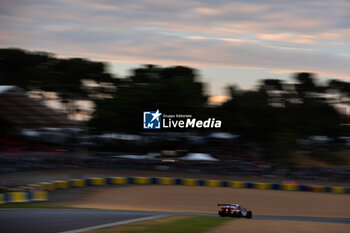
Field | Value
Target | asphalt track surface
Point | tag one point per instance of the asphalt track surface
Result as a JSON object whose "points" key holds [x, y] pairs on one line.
{"points": [[73, 220]]}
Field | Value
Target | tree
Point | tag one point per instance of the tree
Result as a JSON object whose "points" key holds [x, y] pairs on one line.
{"points": [[277, 114], [170, 89], [42, 71]]}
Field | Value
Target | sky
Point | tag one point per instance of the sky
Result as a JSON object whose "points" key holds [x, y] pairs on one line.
{"points": [[230, 42]]}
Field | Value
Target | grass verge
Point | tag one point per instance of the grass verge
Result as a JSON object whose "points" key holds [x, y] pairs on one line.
{"points": [[178, 224]]}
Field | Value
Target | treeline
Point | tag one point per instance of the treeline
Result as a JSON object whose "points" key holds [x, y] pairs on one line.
{"points": [[41, 71], [276, 113]]}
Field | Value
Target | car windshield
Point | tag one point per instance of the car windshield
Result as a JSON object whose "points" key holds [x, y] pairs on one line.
{"points": [[231, 206]]}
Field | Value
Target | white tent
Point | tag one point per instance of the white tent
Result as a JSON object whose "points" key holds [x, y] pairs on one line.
{"points": [[146, 156], [199, 157], [118, 136], [223, 135]]}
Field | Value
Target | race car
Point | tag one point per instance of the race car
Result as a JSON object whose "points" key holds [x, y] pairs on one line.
{"points": [[234, 210]]}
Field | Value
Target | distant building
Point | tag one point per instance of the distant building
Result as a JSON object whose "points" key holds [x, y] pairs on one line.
{"points": [[22, 111]]}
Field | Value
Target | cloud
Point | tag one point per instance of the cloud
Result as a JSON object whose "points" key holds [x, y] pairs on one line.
{"points": [[300, 35], [288, 37]]}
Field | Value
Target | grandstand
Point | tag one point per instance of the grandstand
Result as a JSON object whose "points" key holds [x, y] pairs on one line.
{"points": [[22, 111]]}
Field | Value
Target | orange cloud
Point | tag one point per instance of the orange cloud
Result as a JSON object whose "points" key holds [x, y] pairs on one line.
{"points": [[219, 99]]}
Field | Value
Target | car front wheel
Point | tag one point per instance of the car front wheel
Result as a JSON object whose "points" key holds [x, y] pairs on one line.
{"points": [[249, 214]]}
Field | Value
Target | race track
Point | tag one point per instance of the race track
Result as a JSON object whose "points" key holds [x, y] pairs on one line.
{"points": [[69, 220], [64, 220], [112, 205]]}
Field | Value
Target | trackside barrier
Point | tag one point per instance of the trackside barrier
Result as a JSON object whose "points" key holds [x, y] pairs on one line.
{"points": [[39, 192], [236, 184], [213, 183], [39, 196], [96, 181], [142, 180], [61, 184], [78, 183], [119, 180], [262, 186], [220, 183], [48, 186], [166, 181], [20, 197], [191, 182], [2, 198], [210, 183], [290, 187], [338, 190]]}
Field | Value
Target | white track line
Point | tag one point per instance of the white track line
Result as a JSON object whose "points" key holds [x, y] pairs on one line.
{"points": [[114, 224]]}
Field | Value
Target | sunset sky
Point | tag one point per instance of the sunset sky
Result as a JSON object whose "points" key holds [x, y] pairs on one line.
{"points": [[230, 42]]}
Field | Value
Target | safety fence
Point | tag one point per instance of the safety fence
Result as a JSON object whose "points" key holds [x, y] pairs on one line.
{"points": [[38, 192]]}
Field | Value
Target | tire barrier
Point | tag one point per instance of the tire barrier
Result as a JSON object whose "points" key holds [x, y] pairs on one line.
{"points": [[23, 196], [39, 192], [98, 181]]}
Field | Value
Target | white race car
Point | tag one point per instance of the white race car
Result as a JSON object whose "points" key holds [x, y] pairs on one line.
{"points": [[234, 210]]}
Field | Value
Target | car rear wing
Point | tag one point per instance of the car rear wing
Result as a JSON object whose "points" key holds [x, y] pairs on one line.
{"points": [[223, 204]]}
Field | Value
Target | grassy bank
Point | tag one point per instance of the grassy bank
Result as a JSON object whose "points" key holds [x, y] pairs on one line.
{"points": [[179, 224]]}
